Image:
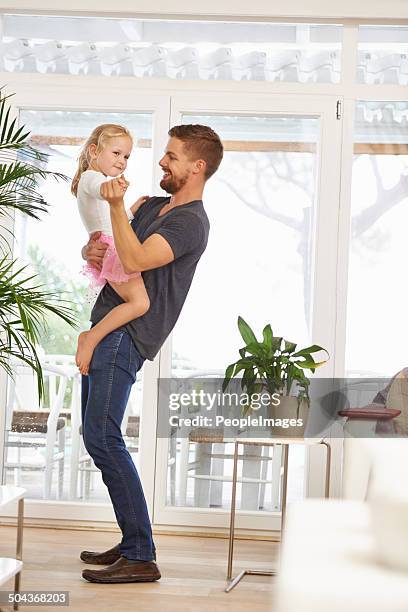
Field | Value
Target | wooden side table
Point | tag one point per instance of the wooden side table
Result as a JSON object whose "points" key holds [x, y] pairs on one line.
{"points": [[12, 567], [285, 443]]}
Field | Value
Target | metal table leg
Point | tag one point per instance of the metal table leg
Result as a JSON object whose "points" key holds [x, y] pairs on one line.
{"points": [[284, 486], [19, 547], [252, 572], [328, 468], [232, 516], [285, 447]]}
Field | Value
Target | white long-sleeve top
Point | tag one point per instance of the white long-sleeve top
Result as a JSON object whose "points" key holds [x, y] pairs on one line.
{"points": [[94, 211]]}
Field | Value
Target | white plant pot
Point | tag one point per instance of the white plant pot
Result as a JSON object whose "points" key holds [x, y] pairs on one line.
{"points": [[290, 417]]}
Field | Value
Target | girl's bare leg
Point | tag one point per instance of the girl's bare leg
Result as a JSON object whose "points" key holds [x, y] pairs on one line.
{"points": [[135, 305]]}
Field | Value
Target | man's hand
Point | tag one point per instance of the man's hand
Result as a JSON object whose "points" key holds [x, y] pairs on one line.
{"points": [[138, 203], [113, 191], [94, 251]]}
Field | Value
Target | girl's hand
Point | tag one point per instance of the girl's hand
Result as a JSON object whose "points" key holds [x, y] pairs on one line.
{"points": [[112, 191], [138, 203], [123, 182]]}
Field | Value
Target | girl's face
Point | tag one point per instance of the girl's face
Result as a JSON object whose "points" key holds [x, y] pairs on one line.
{"points": [[112, 159]]}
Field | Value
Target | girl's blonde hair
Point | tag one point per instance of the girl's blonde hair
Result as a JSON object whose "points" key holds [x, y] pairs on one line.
{"points": [[99, 136]]}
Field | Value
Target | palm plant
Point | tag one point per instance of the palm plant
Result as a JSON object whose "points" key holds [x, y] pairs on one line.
{"points": [[24, 304]]}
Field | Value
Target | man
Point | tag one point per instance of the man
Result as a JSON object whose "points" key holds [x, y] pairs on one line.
{"points": [[164, 242]]}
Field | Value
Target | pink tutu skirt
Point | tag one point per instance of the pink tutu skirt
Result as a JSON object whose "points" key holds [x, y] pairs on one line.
{"points": [[112, 269]]}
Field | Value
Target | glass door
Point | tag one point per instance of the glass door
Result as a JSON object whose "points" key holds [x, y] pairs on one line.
{"points": [[377, 257], [271, 258], [57, 467]]}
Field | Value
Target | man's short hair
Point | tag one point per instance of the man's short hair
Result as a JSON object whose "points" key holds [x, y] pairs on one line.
{"points": [[200, 142]]}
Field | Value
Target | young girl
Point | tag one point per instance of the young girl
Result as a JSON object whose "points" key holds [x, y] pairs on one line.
{"points": [[105, 154]]}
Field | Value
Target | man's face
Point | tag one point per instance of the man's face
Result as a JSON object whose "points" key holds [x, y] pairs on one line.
{"points": [[176, 165]]}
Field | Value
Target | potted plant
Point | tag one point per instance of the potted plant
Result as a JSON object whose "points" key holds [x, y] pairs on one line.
{"points": [[273, 365]]}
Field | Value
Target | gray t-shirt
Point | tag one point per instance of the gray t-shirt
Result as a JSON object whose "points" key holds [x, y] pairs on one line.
{"points": [[186, 229]]}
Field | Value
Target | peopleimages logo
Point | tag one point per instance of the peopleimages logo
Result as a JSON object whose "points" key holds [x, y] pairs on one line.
{"points": [[241, 423]]}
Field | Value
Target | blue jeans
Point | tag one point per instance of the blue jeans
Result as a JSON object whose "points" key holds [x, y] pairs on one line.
{"points": [[105, 392]]}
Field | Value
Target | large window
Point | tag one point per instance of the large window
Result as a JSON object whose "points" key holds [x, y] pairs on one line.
{"points": [[376, 330], [261, 206], [263, 261], [281, 97], [52, 250]]}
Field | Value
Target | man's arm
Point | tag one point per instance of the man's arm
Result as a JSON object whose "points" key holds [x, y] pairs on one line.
{"points": [[135, 256]]}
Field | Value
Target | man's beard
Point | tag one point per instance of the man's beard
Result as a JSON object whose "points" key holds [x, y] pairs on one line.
{"points": [[174, 184]]}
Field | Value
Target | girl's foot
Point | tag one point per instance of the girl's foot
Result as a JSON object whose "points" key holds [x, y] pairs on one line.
{"points": [[86, 347]]}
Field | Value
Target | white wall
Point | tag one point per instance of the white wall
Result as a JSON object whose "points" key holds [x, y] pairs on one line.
{"points": [[310, 9]]}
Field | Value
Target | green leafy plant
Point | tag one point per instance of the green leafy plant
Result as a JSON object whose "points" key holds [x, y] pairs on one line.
{"points": [[24, 304], [61, 338], [272, 364]]}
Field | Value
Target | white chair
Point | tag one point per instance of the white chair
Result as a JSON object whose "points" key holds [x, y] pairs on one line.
{"points": [[207, 467], [32, 425], [82, 464]]}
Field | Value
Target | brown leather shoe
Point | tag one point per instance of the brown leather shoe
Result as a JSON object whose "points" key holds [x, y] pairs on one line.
{"points": [[124, 570], [105, 558]]}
